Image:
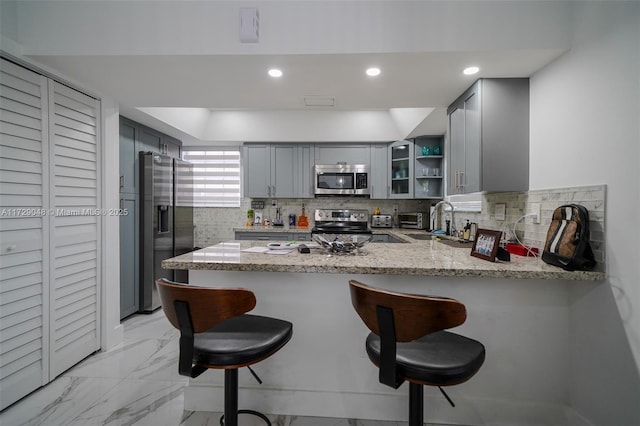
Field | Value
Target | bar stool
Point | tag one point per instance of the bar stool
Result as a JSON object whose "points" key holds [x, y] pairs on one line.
{"points": [[216, 332], [407, 342]]}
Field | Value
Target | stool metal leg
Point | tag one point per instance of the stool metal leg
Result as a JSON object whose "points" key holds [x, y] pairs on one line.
{"points": [[231, 397], [416, 405], [230, 416]]}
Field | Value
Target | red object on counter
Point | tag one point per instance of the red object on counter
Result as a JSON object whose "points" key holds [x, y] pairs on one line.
{"points": [[521, 250]]}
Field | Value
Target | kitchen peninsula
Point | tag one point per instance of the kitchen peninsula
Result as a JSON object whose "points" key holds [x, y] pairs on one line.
{"points": [[518, 310], [411, 257]]}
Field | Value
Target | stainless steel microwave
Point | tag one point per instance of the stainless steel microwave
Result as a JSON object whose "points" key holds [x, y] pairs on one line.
{"points": [[341, 179]]}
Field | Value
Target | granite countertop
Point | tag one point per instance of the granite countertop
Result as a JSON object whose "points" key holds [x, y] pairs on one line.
{"points": [[285, 228], [414, 257]]}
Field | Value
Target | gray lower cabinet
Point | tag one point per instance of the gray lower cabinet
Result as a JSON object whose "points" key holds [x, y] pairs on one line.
{"points": [[129, 272], [277, 170], [489, 137], [272, 236]]}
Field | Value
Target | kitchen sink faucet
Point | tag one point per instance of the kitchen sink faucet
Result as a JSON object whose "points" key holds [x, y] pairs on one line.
{"points": [[435, 212]]}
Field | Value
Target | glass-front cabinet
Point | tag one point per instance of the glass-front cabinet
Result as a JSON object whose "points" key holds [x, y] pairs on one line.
{"points": [[429, 167], [401, 156], [416, 168]]}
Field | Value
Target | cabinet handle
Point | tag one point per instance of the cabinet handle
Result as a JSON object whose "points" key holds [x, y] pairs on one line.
{"points": [[122, 181], [121, 203], [462, 180]]}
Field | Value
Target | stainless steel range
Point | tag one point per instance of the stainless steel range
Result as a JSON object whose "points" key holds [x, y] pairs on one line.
{"points": [[330, 221]]}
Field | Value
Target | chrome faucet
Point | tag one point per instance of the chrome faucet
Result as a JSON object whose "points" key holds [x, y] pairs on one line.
{"points": [[435, 212]]}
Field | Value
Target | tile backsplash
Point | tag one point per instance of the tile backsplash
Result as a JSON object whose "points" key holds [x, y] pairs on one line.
{"points": [[214, 225], [535, 234]]}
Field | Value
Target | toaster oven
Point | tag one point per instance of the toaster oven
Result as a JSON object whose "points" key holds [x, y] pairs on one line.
{"points": [[418, 220]]}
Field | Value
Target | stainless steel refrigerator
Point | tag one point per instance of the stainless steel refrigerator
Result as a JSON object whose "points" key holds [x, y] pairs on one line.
{"points": [[166, 221]]}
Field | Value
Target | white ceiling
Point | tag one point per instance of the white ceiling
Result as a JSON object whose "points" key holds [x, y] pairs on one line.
{"points": [[240, 83], [186, 54], [408, 80]]}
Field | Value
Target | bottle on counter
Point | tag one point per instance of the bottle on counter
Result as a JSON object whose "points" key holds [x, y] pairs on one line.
{"points": [[302, 219], [466, 234]]}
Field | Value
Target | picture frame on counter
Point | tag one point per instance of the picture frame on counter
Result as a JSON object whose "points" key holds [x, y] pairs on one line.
{"points": [[486, 244]]}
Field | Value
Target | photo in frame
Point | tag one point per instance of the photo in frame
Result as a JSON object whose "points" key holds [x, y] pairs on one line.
{"points": [[486, 244]]}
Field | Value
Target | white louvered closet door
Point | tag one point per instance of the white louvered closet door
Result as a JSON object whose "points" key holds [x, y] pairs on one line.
{"points": [[24, 242], [49, 229], [75, 227]]}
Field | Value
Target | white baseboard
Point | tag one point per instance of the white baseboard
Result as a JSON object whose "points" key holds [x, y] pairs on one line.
{"points": [[387, 407]]}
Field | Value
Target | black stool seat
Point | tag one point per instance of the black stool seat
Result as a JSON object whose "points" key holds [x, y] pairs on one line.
{"points": [[438, 359], [241, 340], [408, 342], [216, 332]]}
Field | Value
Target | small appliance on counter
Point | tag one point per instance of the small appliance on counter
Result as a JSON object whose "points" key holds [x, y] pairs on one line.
{"points": [[417, 220], [381, 221], [278, 219]]}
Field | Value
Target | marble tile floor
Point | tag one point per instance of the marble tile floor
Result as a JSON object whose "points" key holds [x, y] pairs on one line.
{"points": [[137, 384]]}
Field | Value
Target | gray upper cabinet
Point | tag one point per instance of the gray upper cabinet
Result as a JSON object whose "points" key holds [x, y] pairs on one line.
{"points": [[283, 171], [256, 162], [342, 153], [154, 141], [170, 146], [277, 170], [489, 137], [150, 140], [379, 171], [128, 175]]}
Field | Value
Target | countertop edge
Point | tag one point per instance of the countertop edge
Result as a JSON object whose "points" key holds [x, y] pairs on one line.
{"points": [[420, 271]]}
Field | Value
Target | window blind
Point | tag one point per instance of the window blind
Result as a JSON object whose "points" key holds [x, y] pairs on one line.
{"points": [[216, 176]]}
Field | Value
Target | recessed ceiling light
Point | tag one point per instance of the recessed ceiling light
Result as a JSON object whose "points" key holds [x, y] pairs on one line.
{"points": [[471, 70], [373, 71], [275, 72]]}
